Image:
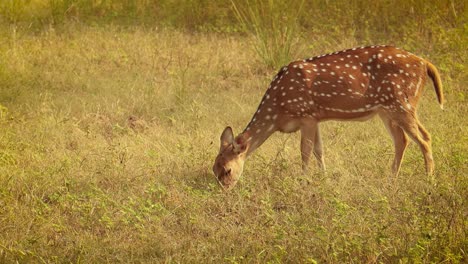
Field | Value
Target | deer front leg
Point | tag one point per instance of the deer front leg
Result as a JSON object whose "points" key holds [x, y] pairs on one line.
{"points": [[308, 138], [318, 150]]}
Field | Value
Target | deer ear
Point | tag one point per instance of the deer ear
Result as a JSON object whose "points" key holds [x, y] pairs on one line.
{"points": [[227, 138], [240, 144]]}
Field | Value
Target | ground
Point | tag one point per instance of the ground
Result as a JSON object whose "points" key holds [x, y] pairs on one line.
{"points": [[108, 135]]}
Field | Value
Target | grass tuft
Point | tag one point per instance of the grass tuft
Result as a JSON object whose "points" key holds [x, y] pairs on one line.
{"points": [[274, 26]]}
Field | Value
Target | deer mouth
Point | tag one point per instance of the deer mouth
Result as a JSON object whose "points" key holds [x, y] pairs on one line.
{"points": [[226, 183]]}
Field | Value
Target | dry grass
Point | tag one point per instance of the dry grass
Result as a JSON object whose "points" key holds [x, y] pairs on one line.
{"points": [[107, 138]]}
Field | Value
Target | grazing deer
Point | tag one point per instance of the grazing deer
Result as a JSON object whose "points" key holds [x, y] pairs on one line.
{"points": [[353, 84]]}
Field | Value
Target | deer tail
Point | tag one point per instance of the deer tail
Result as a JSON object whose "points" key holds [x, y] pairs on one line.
{"points": [[434, 74]]}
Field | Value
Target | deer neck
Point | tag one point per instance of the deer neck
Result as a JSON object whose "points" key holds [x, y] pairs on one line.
{"points": [[255, 134]]}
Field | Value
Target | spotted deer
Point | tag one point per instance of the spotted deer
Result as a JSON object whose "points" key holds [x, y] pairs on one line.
{"points": [[353, 84]]}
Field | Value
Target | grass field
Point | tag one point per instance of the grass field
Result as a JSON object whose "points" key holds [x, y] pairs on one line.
{"points": [[108, 133]]}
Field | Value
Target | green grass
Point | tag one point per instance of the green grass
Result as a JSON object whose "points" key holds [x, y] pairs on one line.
{"points": [[108, 134], [274, 26]]}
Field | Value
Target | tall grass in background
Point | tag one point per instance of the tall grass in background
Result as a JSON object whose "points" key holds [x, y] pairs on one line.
{"points": [[274, 25], [281, 29]]}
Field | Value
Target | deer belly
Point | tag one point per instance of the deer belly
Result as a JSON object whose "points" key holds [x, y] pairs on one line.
{"points": [[358, 116], [358, 109]]}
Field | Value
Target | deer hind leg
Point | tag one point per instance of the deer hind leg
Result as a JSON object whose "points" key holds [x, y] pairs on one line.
{"points": [[426, 136], [419, 134], [400, 142], [308, 137], [318, 149]]}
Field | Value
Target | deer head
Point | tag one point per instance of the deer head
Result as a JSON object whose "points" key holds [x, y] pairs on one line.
{"points": [[229, 163]]}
